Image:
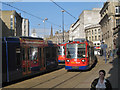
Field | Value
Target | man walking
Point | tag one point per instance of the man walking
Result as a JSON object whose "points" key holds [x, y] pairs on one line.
{"points": [[104, 47]]}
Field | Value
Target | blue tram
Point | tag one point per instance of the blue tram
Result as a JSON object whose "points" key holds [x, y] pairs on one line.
{"points": [[25, 56]]}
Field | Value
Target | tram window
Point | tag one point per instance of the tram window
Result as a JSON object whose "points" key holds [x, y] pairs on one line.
{"points": [[40, 53], [28, 52], [23, 53], [81, 52], [53, 52], [61, 50], [48, 52], [71, 53], [18, 56], [33, 53]]}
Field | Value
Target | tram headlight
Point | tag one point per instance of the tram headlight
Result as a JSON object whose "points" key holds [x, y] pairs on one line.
{"points": [[83, 60], [68, 60]]}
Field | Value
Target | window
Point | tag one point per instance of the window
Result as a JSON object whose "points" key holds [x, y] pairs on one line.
{"points": [[92, 31], [117, 9], [90, 38], [23, 53], [87, 38], [95, 37], [99, 31], [11, 22], [95, 31], [18, 56], [33, 53], [94, 44], [108, 34], [117, 22], [15, 22], [99, 37], [88, 32]]}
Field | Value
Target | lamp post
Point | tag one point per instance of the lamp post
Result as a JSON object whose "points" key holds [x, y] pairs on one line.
{"points": [[44, 25], [63, 23]]}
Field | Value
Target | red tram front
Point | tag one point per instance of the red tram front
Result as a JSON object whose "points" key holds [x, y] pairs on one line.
{"points": [[79, 56], [61, 53]]}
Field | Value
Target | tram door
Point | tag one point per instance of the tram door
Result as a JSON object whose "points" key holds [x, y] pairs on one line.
{"points": [[25, 61], [41, 59]]}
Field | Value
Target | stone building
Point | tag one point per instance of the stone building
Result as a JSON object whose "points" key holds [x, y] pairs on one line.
{"points": [[58, 37], [13, 21], [94, 34], [110, 18], [86, 18], [116, 34], [5, 31], [25, 27]]}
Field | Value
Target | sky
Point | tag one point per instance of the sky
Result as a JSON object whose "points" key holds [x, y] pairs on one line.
{"points": [[52, 12]]}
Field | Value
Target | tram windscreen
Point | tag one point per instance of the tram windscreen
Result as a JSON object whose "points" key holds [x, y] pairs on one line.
{"points": [[75, 50], [61, 50]]}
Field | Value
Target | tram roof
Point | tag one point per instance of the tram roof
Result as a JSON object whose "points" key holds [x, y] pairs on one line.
{"points": [[24, 37]]}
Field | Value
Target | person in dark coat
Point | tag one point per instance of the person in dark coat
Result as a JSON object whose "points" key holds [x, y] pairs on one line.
{"points": [[101, 83], [118, 52]]}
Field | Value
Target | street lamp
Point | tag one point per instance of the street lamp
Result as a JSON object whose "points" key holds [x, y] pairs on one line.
{"points": [[44, 25], [63, 23]]}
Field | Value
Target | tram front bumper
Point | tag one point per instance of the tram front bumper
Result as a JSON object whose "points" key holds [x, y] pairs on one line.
{"points": [[61, 60], [76, 67]]}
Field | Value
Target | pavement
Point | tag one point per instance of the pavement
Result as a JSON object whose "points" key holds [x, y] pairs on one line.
{"points": [[112, 68]]}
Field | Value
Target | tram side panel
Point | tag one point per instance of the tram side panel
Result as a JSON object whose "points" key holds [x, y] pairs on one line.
{"points": [[4, 65], [11, 61], [16, 64], [91, 56], [50, 57], [15, 71]]}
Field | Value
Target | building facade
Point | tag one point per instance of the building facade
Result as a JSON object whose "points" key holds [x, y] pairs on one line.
{"points": [[93, 33], [86, 18], [110, 18], [25, 27], [13, 21], [116, 34], [58, 37]]}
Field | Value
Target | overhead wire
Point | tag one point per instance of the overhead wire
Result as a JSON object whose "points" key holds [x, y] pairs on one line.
{"points": [[30, 14], [63, 9]]}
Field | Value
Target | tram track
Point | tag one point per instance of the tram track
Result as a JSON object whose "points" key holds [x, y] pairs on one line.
{"points": [[47, 80], [59, 83], [66, 80]]}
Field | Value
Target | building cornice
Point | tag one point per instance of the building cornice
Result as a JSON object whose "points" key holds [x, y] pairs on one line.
{"points": [[75, 23], [92, 26], [104, 7]]}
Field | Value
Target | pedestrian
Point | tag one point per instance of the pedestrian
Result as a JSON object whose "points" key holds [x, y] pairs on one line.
{"points": [[108, 54], [118, 52], [104, 47], [101, 83]]}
